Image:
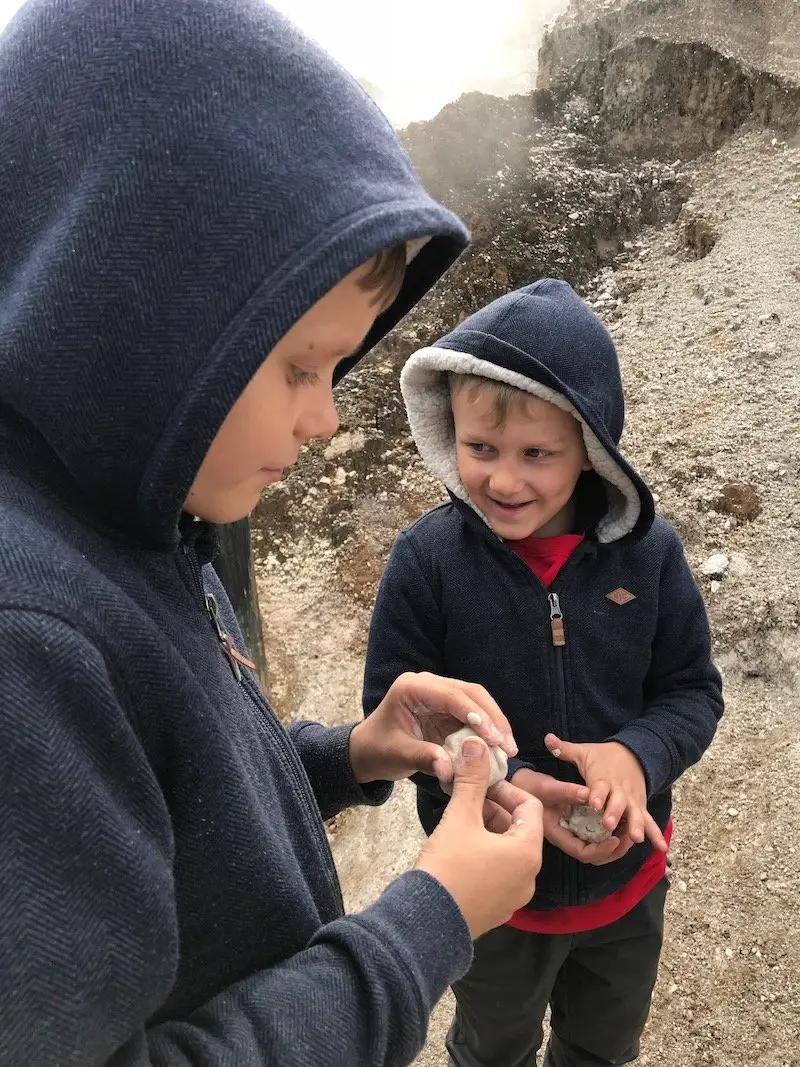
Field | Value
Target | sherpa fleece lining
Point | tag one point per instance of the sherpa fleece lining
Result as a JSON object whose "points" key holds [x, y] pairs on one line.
{"points": [[427, 398]]}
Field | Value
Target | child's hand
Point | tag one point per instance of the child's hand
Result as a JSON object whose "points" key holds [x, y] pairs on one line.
{"points": [[551, 792], [405, 733], [616, 782], [557, 797], [488, 874]]}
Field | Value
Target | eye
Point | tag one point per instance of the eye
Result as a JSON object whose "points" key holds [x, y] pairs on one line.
{"points": [[479, 448], [298, 376], [537, 453]]}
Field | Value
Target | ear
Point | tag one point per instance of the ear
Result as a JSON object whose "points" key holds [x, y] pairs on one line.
{"points": [[587, 465]]}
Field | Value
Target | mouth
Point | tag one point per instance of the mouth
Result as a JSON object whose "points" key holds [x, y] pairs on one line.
{"points": [[510, 509]]}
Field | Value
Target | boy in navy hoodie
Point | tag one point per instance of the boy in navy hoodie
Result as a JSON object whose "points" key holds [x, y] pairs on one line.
{"points": [[548, 580], [203, 222]]}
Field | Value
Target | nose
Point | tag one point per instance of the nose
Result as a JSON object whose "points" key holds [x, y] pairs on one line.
{"points": [[504, 479], [320, 420]]}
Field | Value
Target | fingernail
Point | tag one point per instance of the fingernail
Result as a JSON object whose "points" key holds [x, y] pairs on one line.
{"points": [[510, 744], [519, 822], [474, 718], [556, 751], [473, 748]]}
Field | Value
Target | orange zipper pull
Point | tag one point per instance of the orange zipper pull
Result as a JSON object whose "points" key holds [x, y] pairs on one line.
{"points": [[557, 621]]}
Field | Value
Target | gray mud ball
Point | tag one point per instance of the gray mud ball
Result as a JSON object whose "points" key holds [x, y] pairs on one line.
{"points": [[498, 761], [587, 824]]}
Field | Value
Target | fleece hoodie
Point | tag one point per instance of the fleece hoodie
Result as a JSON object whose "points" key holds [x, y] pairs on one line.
{"points": [[635, 665], [180, 180]]}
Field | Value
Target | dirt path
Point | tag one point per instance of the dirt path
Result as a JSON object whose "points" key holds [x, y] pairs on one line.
{"points": [[712, 368]]}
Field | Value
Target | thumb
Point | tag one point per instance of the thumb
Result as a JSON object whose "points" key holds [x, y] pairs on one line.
{"points": [[528, 823], [564, 750], [471, 779]]}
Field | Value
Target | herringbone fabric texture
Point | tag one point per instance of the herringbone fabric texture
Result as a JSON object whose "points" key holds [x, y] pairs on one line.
{"points": [[179, 181]]}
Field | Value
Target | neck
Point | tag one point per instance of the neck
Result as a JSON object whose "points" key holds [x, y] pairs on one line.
{"points": [[561, 523]]}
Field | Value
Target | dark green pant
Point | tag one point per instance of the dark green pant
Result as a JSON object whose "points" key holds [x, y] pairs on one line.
{"points": [[598, 985]]}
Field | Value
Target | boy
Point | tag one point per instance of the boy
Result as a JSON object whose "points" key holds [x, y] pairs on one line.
{"points": [[203, 220], [547, 580]]}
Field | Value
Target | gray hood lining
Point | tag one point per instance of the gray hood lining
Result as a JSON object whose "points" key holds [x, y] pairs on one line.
{"points": [[427, 399]]}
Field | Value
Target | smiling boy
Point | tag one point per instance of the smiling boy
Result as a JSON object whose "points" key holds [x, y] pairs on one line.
{"points": [[548, 580]]}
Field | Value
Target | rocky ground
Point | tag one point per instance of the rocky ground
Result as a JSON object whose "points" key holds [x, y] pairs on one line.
{"points": [[712, 374], [695, 267]]}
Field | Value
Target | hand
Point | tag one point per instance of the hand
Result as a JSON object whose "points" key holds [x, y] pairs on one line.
{"points": [[557, 797], [489, 875], [616, 782], [405, 732]]}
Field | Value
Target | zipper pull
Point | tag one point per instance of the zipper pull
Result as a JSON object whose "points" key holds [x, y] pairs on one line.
{"points": [[556, 621], [227, 645]]}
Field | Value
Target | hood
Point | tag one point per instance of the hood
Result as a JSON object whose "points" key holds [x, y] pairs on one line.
{"points": [[180, 181], [544, 340]]}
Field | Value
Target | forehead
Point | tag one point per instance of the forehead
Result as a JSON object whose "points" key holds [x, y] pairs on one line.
{"points": [[528, 415]]}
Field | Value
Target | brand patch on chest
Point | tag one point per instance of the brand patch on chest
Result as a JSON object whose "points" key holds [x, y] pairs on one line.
{"points": [[621, 596]]}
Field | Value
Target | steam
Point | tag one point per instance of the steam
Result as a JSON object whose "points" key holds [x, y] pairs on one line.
{"points": [[417, 56]]}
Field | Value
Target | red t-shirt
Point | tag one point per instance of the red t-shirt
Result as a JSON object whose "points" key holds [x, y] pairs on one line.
{"points": [[546, 556]]}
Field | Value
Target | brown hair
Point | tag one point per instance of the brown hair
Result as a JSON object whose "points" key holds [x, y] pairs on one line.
{"points": [[385, 275], [505, 398]]}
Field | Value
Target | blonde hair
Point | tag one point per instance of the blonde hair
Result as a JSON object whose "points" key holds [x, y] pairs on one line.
{"points": [[385, 275], [504, 398]]}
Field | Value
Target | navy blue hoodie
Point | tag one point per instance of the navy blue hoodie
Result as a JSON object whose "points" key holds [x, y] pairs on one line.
{"points": [[456, 600], [180, 180]]}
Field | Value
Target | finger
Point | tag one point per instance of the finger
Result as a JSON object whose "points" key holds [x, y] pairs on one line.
{"points": [[654, 833], [490, 709], [496, 819], [615, 807], [508, 796], [634, 823], [470, 780], [598, 796], [527, 824], [550, 791], [464, 701]]}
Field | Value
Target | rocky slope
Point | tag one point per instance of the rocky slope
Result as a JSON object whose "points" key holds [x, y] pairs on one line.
{"points": [[695, 266], [668, 76]]}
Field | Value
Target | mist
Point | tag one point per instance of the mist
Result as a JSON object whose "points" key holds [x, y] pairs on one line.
{"points": [[417, 56]]}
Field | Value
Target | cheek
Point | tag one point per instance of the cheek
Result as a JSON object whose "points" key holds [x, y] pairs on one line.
{"points": [[470, 472]]}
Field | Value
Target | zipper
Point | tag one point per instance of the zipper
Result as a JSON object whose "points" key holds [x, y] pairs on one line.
{"points": [[275, 732], [209, 602], [280, 737], [556, 621], [559, 642]]}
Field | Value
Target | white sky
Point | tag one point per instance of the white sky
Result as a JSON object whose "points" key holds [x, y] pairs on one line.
{"points": [[423, 53]]}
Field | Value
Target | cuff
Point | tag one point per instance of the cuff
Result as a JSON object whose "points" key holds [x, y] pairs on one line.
{"points": [[325, 753], [515, 765], [422, 922]]}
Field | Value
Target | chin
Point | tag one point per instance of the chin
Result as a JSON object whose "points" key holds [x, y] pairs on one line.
{"points": [[222, 512]]}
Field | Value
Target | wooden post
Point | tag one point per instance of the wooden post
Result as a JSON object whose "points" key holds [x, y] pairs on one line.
{"points": [[234, 565]]}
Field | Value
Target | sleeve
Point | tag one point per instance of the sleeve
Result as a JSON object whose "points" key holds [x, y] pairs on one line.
{"points": [[325, 753], [89, 940], [406, 633], [683, 689]]}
